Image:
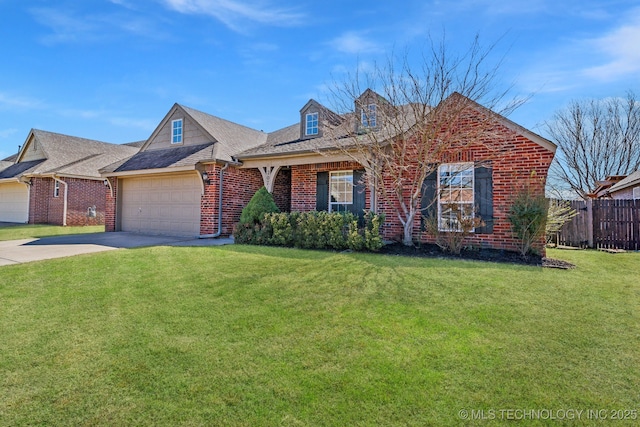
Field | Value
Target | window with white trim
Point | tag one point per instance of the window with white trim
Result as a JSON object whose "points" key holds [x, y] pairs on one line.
{"points": [[56, 189], [176, 131], [311, 124], [368, 116], [340, 191], [455, 195]]}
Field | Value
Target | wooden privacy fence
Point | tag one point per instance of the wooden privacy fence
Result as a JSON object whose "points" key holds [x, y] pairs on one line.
{"points": [[603, 224]]}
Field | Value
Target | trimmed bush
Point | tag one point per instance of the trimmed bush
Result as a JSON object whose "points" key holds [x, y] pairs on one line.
{"points": [[261, 203], [314, 230], [250, 228]]}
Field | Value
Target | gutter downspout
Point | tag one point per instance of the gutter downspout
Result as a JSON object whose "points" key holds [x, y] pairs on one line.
{"points": [[219, 232], [64, 206]]}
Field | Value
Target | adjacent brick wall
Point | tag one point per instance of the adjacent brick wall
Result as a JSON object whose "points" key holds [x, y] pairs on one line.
{"points": [[40, 193], [282, 190], [45, 208], [110, 210], [239, 185]]}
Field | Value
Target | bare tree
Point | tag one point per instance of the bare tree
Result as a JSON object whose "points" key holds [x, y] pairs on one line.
{"points": [[419, 120], [596, 139]]}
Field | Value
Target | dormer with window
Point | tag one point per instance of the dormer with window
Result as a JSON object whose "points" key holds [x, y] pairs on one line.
{"points": [[368, 108], [311, 120]]}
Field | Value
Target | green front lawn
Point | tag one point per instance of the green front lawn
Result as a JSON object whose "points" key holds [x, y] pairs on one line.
{"points": [[28, 231], [252, 336]]}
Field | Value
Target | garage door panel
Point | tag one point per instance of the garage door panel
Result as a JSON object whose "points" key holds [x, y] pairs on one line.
{"points": [[161, 205], [14, 202]]}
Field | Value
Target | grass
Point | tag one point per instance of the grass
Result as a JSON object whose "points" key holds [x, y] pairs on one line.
{"points": [[249, 336], [15, 232]]}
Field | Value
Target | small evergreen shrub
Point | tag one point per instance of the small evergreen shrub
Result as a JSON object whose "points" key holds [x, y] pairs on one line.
{"points": [[250, 228], [528, 215]]}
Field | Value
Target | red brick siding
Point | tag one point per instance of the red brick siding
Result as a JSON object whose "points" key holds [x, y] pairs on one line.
{"points": [[303, 183], [110, 206], [45, 208], [40, 193], [239, 185], [518, 162], [282, 190]]}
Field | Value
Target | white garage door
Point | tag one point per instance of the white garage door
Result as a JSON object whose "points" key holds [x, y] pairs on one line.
{"points": [[167, 205], [14, 202]]}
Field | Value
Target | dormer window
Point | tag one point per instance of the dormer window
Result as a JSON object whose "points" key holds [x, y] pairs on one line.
{"points": [[176, 131], [311, 127], [368, 116]]}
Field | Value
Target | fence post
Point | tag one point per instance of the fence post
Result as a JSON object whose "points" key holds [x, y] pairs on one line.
{"points": [[590, 223]]}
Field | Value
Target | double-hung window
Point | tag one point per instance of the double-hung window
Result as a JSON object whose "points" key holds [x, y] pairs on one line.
{"points": [[368, 116], [340, 191], [176, 131], [311, 126], [455, 195]]}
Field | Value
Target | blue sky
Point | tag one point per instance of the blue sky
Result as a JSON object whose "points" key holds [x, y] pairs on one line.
{"points": [[111, 69]]}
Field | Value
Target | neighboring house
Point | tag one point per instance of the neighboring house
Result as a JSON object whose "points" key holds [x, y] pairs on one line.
{"points": [[602, 188], [627, 188], [196, 172], [54, 179]]}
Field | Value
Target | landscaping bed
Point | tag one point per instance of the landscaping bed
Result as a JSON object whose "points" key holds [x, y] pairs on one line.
{"points": [[426, 250]]}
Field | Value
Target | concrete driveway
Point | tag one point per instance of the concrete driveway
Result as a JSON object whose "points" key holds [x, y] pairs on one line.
{"points": [[27, 250]]}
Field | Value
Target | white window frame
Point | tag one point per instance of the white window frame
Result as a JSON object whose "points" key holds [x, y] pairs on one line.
{"points": [[449, 190], [636, 193], [340, 203], [369, 114], [311, 118], [177, 138], [56, 189]]}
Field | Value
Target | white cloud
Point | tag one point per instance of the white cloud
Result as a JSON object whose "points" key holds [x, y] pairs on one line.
{"points": [[21, 102], [353, 42], [70, 27], [234, 13], [622, 46]]}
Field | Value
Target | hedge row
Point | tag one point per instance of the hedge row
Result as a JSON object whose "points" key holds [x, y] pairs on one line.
{"points": [[313, 230]]}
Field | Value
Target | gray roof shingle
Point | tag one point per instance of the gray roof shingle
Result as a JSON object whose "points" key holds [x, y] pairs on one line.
{"points": [[164, 158], [70, 155]]}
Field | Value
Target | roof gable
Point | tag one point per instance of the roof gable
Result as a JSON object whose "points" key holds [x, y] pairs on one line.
{"points": [[202, 128], [68, 155]]}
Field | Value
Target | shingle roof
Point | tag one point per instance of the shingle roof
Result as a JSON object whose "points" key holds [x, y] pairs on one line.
{"points": [[287, 140], [17, 169], [164, 158], [630, 180], [230, 138], [70, 155]]}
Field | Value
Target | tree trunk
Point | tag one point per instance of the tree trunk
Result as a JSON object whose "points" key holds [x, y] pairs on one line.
{"points": [[407, 237]]}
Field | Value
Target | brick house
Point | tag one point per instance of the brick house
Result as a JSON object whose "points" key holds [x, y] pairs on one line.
{"points": [[54, 179], [196, 172]]}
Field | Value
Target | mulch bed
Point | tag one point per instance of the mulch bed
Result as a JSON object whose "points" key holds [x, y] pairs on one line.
{"points": [[493, 255]]}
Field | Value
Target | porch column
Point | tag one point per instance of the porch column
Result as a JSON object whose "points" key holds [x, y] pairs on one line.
{"points": [[269, 174]]}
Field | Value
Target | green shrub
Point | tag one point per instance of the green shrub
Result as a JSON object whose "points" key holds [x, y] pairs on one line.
{"points": [[261, 203], [528, 215], [312, 230]]}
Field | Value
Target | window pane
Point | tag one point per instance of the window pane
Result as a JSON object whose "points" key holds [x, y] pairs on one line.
{"points": [[455, 194], [340, 190]]}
